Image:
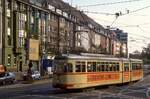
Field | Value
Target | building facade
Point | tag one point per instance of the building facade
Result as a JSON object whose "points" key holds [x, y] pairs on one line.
{"points": [[122, 38], [0, 31], [23, 26], [34, 30]]}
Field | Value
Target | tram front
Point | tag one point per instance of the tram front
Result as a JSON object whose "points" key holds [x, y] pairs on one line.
{"points": [[61, 70]]}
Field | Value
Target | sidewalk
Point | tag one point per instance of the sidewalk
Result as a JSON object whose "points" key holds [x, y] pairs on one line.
{"points": [[23, 84]]}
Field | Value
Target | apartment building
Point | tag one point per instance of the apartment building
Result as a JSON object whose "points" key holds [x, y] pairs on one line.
{"points": [[123, 40], [24, 29], [0, 32], [34, 30]]}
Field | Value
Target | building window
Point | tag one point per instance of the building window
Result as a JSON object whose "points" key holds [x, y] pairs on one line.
{"points": [[8, 23], [49, 17], [59, 11], [9, 36], [65, 14], [50, 7], [8, 12], [22, 25], [8, 4], [15, 61], [32, 21], [9, 60], [43, 21], [53, 17]]}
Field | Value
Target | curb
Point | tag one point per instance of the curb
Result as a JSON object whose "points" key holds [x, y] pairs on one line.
{"points": [[20, 85]]}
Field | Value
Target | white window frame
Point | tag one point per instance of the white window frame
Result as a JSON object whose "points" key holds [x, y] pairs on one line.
{"points": [[50, 7], [59, 11]]}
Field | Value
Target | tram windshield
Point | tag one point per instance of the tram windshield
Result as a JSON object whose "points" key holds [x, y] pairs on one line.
{"points": [[61, 66]]}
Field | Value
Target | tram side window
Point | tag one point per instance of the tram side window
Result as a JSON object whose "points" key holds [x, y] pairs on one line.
{"points": [[68, 67], [80, 67], [110, 67], [94, 66], [139, 66], [126, 66], [106, 66], [103, 67], [89, 67], [83, 66], [136, 66], [133, 66], [115, 66], [98, 65]]}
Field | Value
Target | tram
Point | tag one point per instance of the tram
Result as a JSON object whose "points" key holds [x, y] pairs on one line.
{"points": [[83, 71]]}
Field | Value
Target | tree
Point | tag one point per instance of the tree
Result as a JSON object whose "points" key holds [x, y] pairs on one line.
{"points": [[146, 54], [135, 54]]}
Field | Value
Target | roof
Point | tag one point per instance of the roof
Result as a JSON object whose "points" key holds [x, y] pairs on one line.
{"points": [[83, 18]]}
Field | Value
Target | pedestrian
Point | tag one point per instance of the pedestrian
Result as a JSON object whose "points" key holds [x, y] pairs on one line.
{"points": [[30, 64], [29, 73]]}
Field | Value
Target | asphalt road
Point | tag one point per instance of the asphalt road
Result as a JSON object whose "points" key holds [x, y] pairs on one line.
{"points": [[44, 90]]}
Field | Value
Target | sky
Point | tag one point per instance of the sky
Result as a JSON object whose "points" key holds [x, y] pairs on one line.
{"points": [[136, 23]]}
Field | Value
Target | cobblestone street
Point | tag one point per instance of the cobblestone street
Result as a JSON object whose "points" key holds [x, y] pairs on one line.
{"points": [[43, 90]]}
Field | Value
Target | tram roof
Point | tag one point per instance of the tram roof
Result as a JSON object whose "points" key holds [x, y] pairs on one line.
{"points": [[137, 60], [94, 57], [84, 57]]}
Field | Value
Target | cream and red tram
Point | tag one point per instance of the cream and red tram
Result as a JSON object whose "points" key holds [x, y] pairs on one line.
{"points": [[78, 71]]}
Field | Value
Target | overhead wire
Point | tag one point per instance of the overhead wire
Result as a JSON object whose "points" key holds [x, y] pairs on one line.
{"points": [[137, 10], [103, 13], [137, 35], [110, 3], [142, 24], [121, 15]]}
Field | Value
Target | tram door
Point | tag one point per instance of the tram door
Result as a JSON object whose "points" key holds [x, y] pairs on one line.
{"points": [[126, 72]]}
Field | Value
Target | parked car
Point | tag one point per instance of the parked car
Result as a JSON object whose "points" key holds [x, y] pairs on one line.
{"points": [[7, 78], [35, 75]]}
